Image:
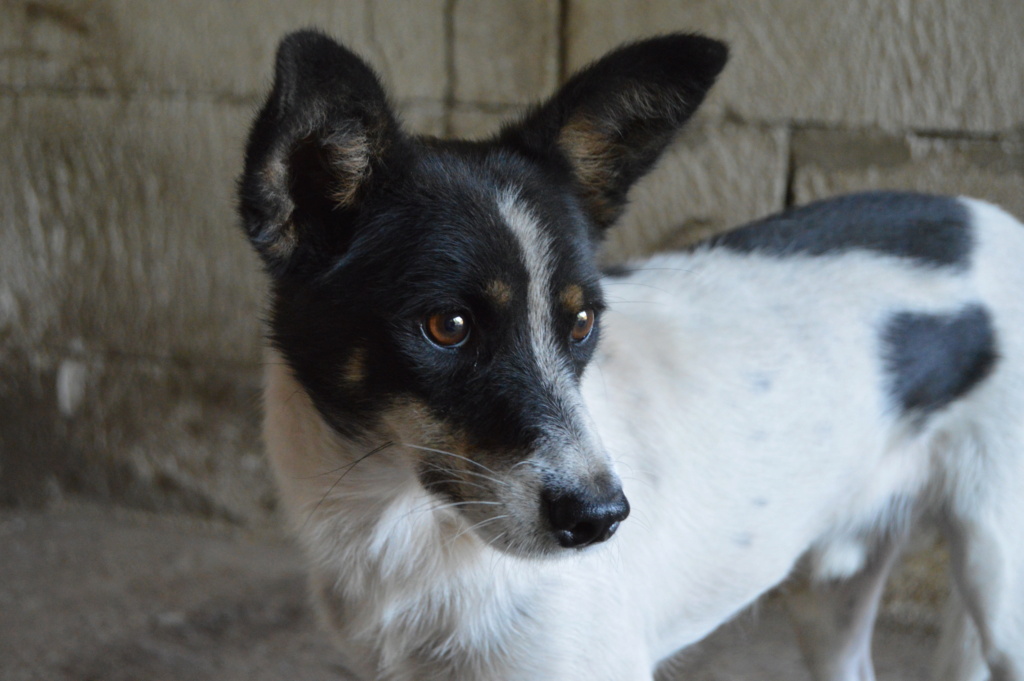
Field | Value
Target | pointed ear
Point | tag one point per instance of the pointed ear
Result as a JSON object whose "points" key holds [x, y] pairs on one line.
{"points": [[611, 121], [315, 151]]}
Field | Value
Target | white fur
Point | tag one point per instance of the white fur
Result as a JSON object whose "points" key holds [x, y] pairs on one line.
{"points": [[535, 249], [743, 402]]}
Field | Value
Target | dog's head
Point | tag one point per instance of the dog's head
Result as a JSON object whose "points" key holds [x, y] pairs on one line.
{"points": [[444, 294]]}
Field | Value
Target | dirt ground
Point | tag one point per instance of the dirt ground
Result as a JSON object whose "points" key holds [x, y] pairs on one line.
{"points": [[91, 593]]}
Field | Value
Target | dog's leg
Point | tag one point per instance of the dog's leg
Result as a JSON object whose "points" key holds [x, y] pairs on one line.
{"points": [[834, 619], [986, 558], [959, 652]]}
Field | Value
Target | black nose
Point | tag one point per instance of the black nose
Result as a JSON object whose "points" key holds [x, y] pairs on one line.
{"points": [[580, 518]]}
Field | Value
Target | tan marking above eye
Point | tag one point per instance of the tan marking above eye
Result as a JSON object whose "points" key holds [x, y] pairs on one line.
{"points": [[354, 370], [499, 292], [447, 329], [582, 325], [572, 298]]}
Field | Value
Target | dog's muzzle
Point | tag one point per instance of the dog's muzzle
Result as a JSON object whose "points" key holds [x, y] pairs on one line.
{"points": [[583, 517]]}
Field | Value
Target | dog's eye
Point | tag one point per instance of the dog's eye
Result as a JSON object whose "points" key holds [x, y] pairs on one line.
{"points": [[583, 325], [447, 329]]}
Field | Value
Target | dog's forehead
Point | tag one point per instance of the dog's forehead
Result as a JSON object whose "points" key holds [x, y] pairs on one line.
{"points": [[494, 217], [552, 266]]}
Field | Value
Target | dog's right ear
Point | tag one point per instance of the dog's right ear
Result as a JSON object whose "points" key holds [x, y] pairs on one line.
{"points": [[317, 148]]}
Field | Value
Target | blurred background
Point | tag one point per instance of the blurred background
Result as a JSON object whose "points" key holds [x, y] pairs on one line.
{"points": [[130, 341]]}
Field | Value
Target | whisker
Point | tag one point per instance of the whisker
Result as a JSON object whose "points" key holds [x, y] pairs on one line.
{"points": [[439, 469], [347, 469], [482, 476], [517, 464], [494, 540], [486, 477], [292, 395], [348, 466], [621, 301], [479, 524], [636, 283], [650, 269], [428, 506], [452, 454], [465, 503]]}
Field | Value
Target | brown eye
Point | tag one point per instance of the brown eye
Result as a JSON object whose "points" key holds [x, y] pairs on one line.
{"points": [[448, 329], [583, 325]]}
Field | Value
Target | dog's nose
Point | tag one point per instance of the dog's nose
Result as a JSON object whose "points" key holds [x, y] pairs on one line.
{"points": [[580, 518]]}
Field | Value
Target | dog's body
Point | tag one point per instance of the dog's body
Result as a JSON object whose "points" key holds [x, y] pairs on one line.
{"points": [[441, 418]]}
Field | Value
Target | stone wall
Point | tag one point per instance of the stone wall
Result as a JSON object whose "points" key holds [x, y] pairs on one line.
{"points": [[129, 302]]}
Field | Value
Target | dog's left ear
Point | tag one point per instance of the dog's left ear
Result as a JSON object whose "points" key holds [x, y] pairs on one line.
{"points": [[611, 121]]}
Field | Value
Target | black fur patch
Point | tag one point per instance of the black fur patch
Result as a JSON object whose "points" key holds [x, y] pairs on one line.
{"points": [[934, 230], [934, 359]]}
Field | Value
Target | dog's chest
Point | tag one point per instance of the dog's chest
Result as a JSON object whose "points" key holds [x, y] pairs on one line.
{"points": [[453, 619]]}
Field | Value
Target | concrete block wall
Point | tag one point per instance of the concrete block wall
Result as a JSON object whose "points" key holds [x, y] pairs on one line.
{"points": [[129, 302]]}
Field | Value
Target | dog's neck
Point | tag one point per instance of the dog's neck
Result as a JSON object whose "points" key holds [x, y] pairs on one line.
{"points": [[393, 570]]}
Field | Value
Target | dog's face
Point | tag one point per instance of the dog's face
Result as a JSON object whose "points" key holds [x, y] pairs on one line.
{"points": [[460, 323], [445, 294]]}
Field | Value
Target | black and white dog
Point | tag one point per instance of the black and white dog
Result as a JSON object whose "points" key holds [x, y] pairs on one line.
{"points": [[462, 410]]}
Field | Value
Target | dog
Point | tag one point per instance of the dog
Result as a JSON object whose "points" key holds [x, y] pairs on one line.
{"points": [[504, 463]]}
